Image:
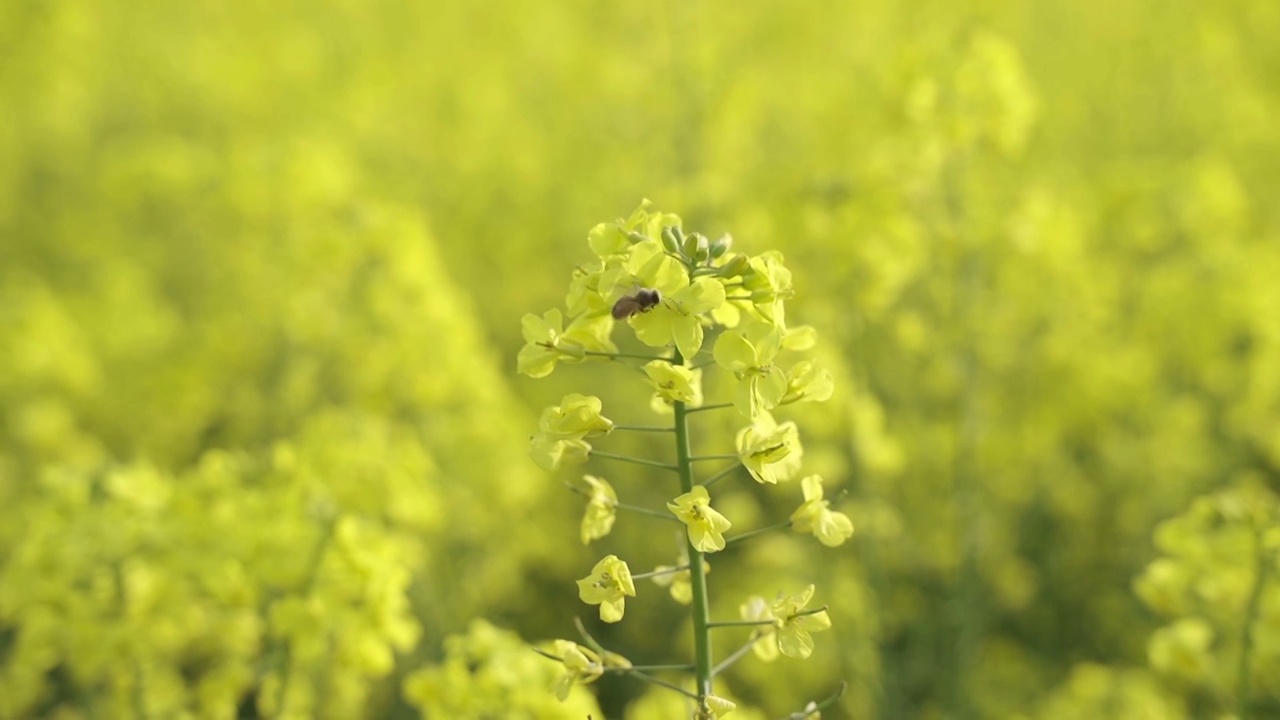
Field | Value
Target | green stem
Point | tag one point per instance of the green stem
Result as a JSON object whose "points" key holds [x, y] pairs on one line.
{"points": [[656, 573], [722, 474], [819, 707], [739, 623], [713, 406], [757, 531], [670, 686], [642, 428], [652, 668], [632, 356], [726, 456], [1246, 634], [626, 506], [700, 607], [735, 657], [646, 511], [637, 461]]}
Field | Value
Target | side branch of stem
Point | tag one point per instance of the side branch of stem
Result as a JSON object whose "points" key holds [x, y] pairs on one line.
{"points": [[636, 461], [758, 531]]}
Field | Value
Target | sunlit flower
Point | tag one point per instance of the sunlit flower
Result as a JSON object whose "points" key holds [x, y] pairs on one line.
{"points": [[550, 454], [770, 452], [806, 382], [675, 383], [581, 666], [748, 353], [705, 525], [577, 416], [795, 625], [768, 281], [766, 644], [548, 342], [815, 516], [602, 508], [676, 319], [608, 585]]}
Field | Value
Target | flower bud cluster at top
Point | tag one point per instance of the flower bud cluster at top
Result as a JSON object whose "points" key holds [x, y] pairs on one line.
{"points": [[685, 296], [700, 285]]}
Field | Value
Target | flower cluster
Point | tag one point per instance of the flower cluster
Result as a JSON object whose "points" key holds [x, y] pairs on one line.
{"points": [[684, 297]]}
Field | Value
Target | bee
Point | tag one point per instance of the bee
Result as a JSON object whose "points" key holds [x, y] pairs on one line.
{"points": [[643, 300]]}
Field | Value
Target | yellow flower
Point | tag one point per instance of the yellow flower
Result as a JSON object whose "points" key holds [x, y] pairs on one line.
{"points": [[581, 666], [602, 508], [608, 585], [770, 452], [706, 526], [577, 416], [766, 645], [795, 624], [675, 383], [816, 516]]}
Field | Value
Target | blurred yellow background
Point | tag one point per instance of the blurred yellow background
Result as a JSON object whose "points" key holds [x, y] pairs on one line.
{"points": [[262, 269]]}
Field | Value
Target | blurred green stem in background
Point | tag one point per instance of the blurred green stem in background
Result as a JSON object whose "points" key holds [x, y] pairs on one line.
{"points": [[1250, 617]]}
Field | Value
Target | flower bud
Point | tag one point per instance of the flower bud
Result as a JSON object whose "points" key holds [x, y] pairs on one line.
{"points": [[691, 245], [703, 251], [721, 246], [636, 237], [734, 267], [671, 239]]}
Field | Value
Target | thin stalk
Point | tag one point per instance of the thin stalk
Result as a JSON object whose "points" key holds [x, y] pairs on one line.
{"points": [[646, 511], [642, 428], [725, 456], [627, 506], [700, 606], [739, 623], [618, 356], [637, 461], [722, 474], [670, 686], [809, 712], [757, 531], [656, 573], [1246, 633], [653, 668], [713, 406], [734, 657]]}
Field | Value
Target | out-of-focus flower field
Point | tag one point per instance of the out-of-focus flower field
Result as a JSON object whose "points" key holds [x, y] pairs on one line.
{"points": [[263, 448]]}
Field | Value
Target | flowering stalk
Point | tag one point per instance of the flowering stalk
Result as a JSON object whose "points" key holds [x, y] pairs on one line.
{"points": [[701, 608], [669, 288]]}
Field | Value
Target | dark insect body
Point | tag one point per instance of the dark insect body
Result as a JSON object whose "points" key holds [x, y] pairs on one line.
{"points": [[643, 300]]}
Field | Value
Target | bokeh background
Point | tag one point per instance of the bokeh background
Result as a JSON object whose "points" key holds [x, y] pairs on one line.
{"points": [[262, 267]]}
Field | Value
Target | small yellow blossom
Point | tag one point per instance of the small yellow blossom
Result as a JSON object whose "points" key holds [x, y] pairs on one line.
{"points": [[706, 526], [816, 516], [608, 586]]}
